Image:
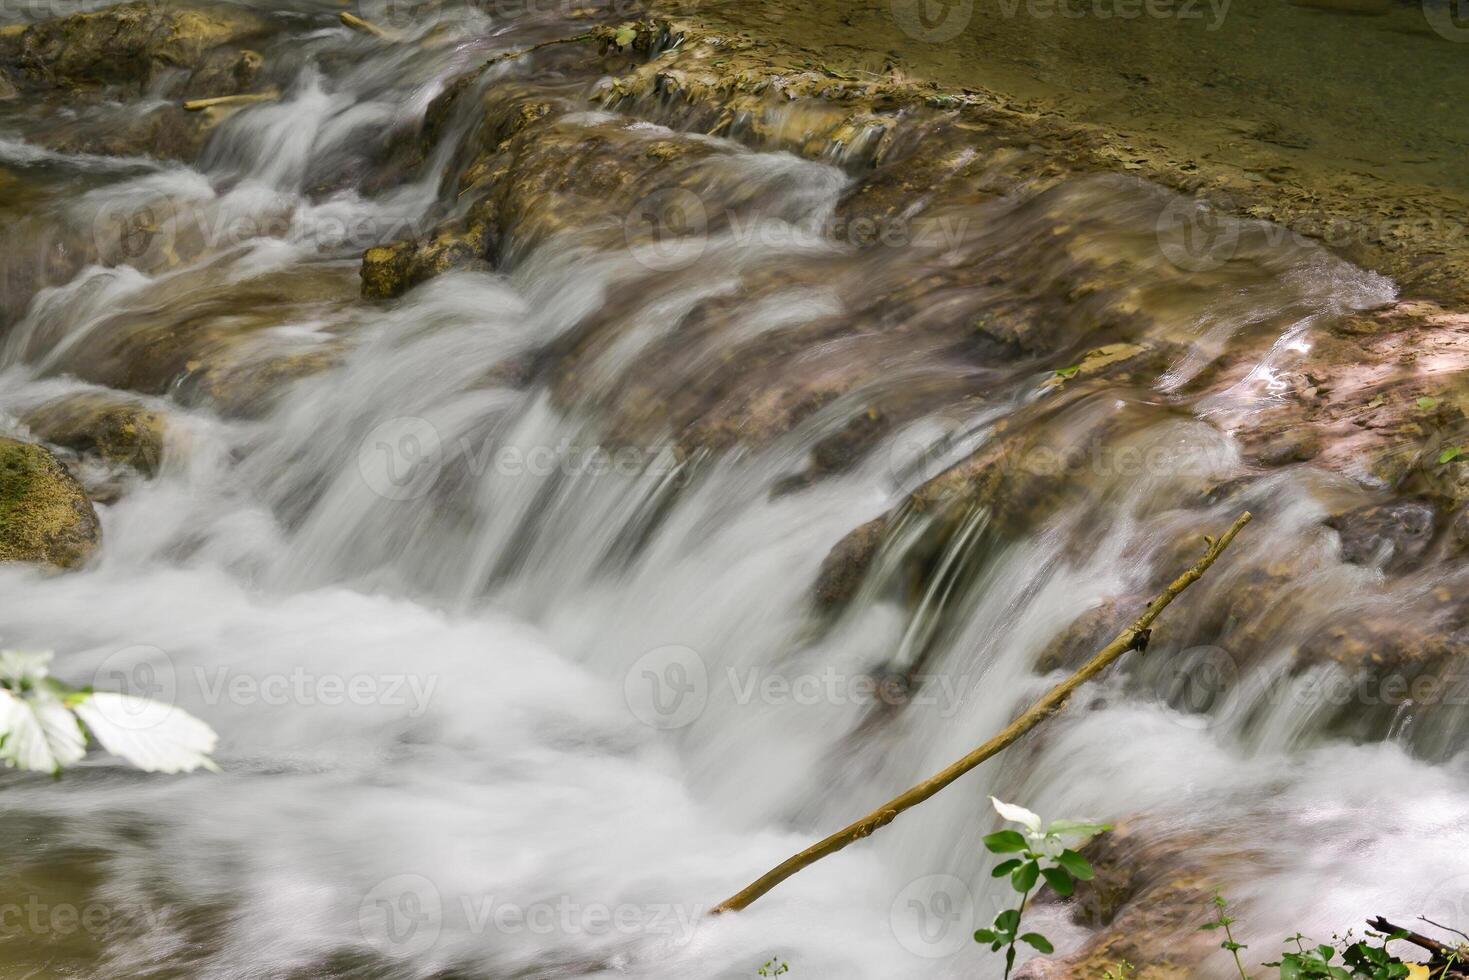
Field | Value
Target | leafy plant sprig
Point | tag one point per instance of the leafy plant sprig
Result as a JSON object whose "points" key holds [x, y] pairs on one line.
{"points": [[1040, 852], [1223, 921], [42, 719]]}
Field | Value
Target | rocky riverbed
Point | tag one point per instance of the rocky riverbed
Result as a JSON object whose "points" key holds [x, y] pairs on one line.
{"points": [[971, 372]]}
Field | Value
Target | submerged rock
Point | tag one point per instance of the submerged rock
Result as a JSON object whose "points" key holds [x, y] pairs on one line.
{"points": [[231, 345], [115, 429], [1394, 534], [45, 516]]}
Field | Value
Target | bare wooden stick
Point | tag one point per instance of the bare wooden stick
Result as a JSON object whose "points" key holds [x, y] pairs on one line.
{"points": [[222, 101], [1135, 637], [368, 27]]}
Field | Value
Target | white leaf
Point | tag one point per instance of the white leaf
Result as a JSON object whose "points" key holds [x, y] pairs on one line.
{"points": [[38, 733], [173, 741], [1018, 814]]}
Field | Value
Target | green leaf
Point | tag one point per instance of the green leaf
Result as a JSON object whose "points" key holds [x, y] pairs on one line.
{"points": [[1427, 404], [1069, 827], [1005, 841], [1023, 878], [1008, 920], [1005, 867], [984, 935], [1451, 454], [1068, 372], [1040, 942], [625, 35], [1077, 865], [1059, 881]]}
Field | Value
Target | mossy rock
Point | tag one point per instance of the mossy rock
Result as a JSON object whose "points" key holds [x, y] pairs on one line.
{"points": [[118, 430], [45, 517]]}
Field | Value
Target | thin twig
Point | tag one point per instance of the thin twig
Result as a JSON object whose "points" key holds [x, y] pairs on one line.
{"points": [[1440, 925], [518, 52], [1135, 637]]}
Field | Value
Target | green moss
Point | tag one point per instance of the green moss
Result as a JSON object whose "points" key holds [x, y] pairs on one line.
{"points": [[44, 515]]}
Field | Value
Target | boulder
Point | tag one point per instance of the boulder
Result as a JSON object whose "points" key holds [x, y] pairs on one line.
{"points": [[134, 45], [115, 429], [45, 516]]}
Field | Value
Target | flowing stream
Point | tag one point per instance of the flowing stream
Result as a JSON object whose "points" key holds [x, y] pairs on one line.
{"points": [[504, 693]]}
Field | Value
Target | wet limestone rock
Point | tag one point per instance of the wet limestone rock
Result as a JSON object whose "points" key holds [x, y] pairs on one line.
{"points": [[1150, 893], [392, 270], [1395, 534], [235, 349], [118, 430], [45, 517], [135, 44]]}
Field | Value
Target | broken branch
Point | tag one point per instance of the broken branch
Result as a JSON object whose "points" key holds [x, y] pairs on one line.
{"points": [[368, 27], [1134, 637], [221, 101]]}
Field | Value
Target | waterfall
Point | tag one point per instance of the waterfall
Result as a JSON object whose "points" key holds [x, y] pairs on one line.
{"points": [[500, 593]]}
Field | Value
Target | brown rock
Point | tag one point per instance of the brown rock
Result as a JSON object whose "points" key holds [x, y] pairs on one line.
{"points": [[118, 430], [1394, 535], [45, 517], [131, 44]]}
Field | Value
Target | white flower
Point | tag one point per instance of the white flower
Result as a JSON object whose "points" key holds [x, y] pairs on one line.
{"points": [[1062, 835], [39, 728], [22, 667], [1020, 815], [38, 732]]}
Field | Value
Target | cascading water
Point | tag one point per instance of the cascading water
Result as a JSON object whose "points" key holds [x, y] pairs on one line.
{"points": [[506, 692]]}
